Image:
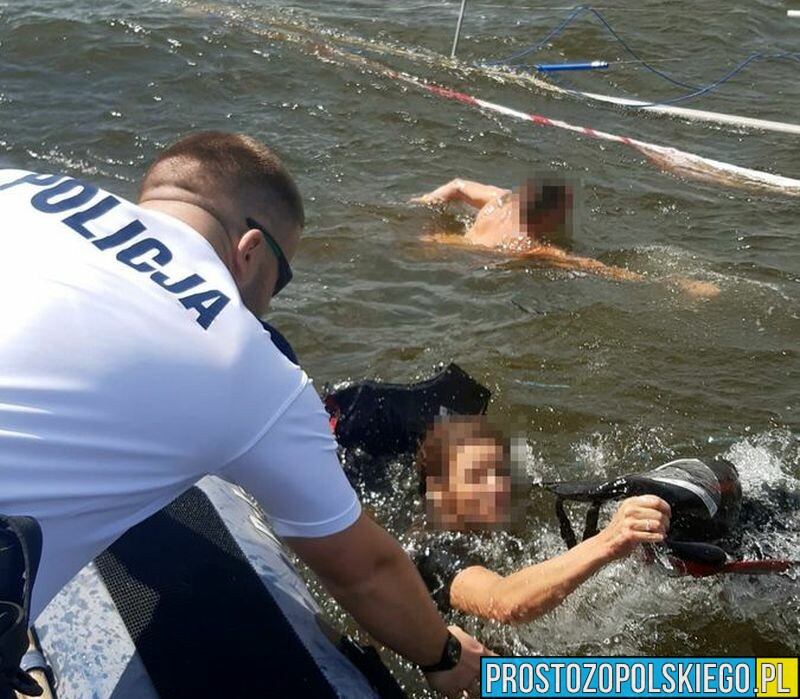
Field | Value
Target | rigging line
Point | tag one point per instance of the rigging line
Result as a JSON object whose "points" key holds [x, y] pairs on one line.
{"points": [[708, 116], [577, 12], [500, 74], [666, 158], [710, 87]]}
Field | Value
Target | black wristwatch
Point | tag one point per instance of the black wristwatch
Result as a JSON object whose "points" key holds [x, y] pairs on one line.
{"points": [[451, 654]]}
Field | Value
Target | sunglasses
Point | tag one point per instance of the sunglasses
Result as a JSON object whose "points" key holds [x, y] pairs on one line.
{"points": [[284, 270]]}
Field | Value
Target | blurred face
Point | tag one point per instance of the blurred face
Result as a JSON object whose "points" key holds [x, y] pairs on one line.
{"points": [[542, 208], [475, 489]]}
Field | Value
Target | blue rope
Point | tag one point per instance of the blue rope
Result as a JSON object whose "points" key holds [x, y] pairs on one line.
{"points": [[696, 90], [577, 12], [538, 46], [725, 78], [705, 89]]}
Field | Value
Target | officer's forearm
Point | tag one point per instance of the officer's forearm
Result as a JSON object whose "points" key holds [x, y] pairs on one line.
{"points": [[370, 575], [394, 606]]}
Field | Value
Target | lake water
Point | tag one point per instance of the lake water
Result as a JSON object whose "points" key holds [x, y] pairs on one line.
{"points": [[601, 377]]}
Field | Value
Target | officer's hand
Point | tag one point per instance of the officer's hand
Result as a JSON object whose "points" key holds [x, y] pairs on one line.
{"points": [[464, 678]]}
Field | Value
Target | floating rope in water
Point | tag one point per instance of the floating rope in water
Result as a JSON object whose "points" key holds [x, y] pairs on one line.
{"points": [[574, 15], [735, 120], [666, 158], [500, 74], [696, 90]]}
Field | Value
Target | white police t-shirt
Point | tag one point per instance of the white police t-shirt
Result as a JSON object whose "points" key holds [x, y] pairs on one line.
{"points": [[129, 369]]}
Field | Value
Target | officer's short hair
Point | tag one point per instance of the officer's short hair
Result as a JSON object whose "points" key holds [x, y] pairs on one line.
{"points": [[232, 163]]}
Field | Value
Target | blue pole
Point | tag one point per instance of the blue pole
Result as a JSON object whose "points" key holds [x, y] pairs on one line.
{"points": [[586, 65]]}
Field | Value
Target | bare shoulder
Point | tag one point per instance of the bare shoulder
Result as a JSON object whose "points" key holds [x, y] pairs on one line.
{"points": [[500, 199], [503, 196], [493, 224]]}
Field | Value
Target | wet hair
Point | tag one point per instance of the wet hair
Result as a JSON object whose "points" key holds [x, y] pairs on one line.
{"points": [[231, 163], [444, 437]]}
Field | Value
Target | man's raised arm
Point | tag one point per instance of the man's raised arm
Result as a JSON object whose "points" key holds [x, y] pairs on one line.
{"points": [[474, 194]]}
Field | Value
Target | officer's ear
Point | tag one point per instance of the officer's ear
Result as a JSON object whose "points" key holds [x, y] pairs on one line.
{"points": [[247, 256]]}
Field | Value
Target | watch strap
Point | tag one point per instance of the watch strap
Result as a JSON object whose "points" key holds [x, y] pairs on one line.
{"points": [[451, 654]]}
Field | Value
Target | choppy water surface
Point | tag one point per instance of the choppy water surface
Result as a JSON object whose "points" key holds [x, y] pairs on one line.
{"points": [[602, 377]]}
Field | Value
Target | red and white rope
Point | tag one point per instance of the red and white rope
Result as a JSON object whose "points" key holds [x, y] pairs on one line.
{"points": [[667, 158]]}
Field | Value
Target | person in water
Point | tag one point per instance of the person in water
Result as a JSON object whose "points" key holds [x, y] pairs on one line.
{"points": [[467, 475], [533, 221]]}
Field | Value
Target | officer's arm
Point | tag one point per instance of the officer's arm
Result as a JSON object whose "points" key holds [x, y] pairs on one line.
{"points": [[373, 578], [294, 473], [370, 575]]}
